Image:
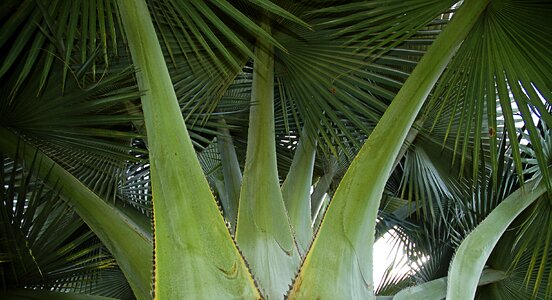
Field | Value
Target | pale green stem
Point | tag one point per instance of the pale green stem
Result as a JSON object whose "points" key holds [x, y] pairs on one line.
{"points": [[348, 228], [195, 257], [296, 191], [476, 248], [322, 187], [437, 289], [231, 172], [128, 242], [263, 230]]}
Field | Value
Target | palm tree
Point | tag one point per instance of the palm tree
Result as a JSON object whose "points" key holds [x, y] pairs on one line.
{"points": [[187, 135]]}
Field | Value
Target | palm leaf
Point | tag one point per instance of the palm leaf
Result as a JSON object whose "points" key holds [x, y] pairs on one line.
{"points": [[490, 230], [493, 65], [124, 232], [46, 246], [53, 35], [375, 157], [90, 123]]}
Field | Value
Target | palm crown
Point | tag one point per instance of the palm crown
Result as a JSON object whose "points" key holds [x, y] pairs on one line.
{"points": [[175, 145]]}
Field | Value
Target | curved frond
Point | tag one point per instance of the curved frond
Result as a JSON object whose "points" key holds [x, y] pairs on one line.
{"points": [[88, 130], [41, 32], [505, 60], [46, 245]]}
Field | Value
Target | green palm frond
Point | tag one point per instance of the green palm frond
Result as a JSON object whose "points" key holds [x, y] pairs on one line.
{"points": [[470, 208], [525, 256], [534, 235], [427, 243], [378, 26], [529, 156], [340, 93], [505, 59], [48, 31], [524, 250], [424, 184], [460, 210], [205, 26], [515, 286], [69, 92], [209, 160], [335, 91], [45, 245], [207, 43], [91, 123]]}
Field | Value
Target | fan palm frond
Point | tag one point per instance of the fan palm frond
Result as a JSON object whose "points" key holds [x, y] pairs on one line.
{"points": [[499, 62], [46, 245]]}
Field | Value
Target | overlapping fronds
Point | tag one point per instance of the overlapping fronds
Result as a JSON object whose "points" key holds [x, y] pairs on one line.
{"points": [[80, 113], [42, 32], [523, 251], [505, 59], [86, 129], [69, 89], [45, 245], [534, 236], [339, 91]]}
